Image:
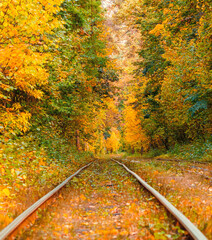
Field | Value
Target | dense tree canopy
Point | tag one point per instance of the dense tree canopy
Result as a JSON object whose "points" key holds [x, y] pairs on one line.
{"points": [[59, 62], [173, 76], [54, 68]]}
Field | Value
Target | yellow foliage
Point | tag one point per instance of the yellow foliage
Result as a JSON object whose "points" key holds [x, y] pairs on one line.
{"points": [[23, 28], [14, 120], [134, 135], [113, 142], [5, 192], [157, 30]]}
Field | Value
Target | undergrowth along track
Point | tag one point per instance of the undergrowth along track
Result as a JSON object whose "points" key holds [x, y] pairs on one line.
{"points": [[201, 173], [193, 231], [7, 231], [188, 225], [208, 176]]}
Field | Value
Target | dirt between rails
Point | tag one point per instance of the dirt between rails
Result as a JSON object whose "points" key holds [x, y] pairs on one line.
{"points": [[105, 202], [187, 185]]}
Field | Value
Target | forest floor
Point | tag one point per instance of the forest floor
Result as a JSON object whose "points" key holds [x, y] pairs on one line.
{"points": [[187, 185], [28, 173], [105, 201]]}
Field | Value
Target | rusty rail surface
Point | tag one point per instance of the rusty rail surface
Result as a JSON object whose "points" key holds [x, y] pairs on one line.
{"points": [[188, 225], [7, 231]]}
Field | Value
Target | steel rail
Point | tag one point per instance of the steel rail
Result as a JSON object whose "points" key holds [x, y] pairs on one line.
{"points": [[188, 225], [23, 216]]}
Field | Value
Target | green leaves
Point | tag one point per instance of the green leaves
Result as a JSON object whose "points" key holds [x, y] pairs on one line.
{"points": [[173, 95]]}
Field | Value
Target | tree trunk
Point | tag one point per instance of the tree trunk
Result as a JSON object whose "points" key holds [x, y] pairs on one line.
{"points": [[77, 140]]}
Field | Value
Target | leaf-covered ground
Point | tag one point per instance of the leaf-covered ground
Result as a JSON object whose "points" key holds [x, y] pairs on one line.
{"points": [[187, 185], [105, 202], [29, 171]]}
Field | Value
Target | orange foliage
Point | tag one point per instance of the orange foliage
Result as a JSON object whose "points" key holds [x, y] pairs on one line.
{"points": [[24, 25]]}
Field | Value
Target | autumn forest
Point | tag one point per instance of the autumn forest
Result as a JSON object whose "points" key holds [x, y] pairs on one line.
{"points": [[81, 80]]}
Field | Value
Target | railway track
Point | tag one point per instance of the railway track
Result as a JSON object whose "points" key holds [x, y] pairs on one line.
{"points": [[7, 231], [103, 173]]}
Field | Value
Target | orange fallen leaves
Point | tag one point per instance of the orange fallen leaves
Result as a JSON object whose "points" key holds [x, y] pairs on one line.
{"points": [[5, 220]]}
